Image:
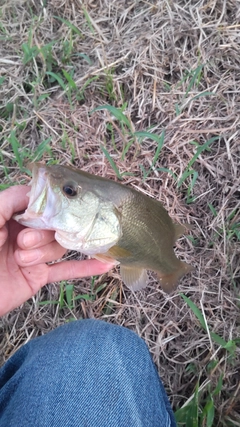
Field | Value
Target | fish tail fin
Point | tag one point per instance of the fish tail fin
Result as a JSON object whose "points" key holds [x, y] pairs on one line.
{"points": [[181, 229], [169, 282]]}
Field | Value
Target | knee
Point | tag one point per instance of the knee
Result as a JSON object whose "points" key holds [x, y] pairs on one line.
{"points": [[91, 338], [91, 332]]}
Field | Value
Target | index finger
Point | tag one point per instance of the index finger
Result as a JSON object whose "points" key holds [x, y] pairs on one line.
{"points": [[66, 270], [12, 200]]}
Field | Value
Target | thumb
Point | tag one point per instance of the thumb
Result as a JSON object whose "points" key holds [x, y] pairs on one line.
{"points": [[3, 236], [12, 200]]}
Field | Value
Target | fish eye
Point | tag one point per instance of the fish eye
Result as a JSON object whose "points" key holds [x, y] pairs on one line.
{"points": [[70, 189]]}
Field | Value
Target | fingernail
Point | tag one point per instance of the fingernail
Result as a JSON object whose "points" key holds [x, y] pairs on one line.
{"points": [[31, 238], [29, 256]]}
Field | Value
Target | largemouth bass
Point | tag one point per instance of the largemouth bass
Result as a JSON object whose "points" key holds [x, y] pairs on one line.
{"points": [[106, 220]]}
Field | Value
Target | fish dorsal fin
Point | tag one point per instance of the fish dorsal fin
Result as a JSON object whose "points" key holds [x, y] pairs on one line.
{"points": [[135, 278]]}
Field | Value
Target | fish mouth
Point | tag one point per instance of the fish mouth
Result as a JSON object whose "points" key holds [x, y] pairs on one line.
{"points": [[42, 199], [37, 193]]}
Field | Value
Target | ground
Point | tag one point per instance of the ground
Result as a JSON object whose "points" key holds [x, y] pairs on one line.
{"points": [[168, 73]]}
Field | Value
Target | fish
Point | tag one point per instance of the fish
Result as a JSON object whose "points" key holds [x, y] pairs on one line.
{"points": [[108, 221]]}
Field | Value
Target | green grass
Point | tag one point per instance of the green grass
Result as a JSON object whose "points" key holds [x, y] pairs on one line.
{"points": [[230, 346], [73, 28], [58, 73], [199, 410], [132, 138], [193, 79], [68, 299], [22, 155], [192, 173]]}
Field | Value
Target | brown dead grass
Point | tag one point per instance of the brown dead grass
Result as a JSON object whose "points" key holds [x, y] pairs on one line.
{"points": [[142, 51]]}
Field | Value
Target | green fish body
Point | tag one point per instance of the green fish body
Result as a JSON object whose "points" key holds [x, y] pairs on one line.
{"points": [[106, 220]]}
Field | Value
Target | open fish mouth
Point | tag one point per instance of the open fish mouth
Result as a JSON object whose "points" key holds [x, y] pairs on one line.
{"points": [[38, 192], [42, 200]]}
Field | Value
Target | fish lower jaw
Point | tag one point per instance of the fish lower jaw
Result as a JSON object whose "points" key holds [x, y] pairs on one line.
{"points": [[33, 220], [78, 243]]}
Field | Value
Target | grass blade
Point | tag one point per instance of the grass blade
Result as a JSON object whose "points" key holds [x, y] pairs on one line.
{"points": [[43, 146], [185, 175], [154, 137], [57, 78], [111, 161], [218, 387], [70, 25], [116, 112], [61, 295], [208, 413], [219, 340], [46, 302], [207, 93], [84, 56], [71, 82], [15, 146], [127, 148], [159, 147], [188, 171], [88, 19], [187, 416], [195, 310], [201, 148], [195, 77], [85, 297], [144, 134], [69, 294]]}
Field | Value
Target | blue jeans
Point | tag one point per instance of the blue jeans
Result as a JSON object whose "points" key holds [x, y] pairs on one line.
{"points": [[86, 373]]}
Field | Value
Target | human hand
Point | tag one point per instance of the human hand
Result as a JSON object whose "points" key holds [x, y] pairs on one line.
{"points": [[24, 253]]}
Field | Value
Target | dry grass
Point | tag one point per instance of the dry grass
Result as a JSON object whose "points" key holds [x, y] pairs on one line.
{"points": [[141, 55]]}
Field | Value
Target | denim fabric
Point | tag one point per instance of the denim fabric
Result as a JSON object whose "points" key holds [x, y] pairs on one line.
{"points": [[86, 373]]}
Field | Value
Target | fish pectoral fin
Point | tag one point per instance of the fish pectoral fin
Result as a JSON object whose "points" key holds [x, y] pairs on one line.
{"points": [[118, 252], [105, 258], [134, 278], [113, 254], [169, 282]]}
